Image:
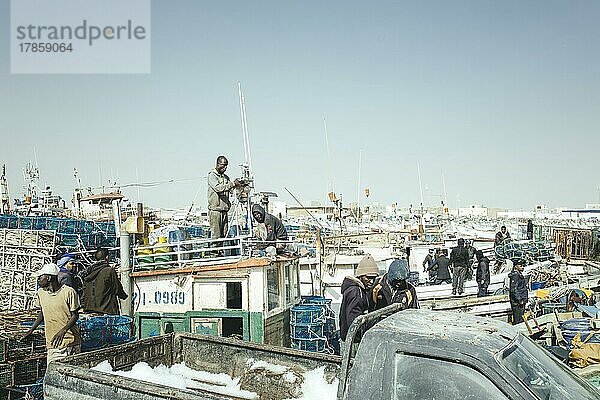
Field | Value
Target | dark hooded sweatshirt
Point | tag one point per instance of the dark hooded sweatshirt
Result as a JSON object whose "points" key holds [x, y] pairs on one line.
{"points": [[383, 295], [101, 288], [483, 271], [442, 263], [275, 229], [354, 303]]}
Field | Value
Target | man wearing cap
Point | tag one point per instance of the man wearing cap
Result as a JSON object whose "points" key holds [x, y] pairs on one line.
{"points": [[517, 292], [393, 287], [355, 293], [59, 312], [67, 274]]}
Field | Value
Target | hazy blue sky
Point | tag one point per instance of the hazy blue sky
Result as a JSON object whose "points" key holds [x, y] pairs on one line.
{"points": [[504, 97]]}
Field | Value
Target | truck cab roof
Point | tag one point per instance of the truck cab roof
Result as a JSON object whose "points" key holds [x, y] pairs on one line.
{"points": [[461, 328], [424, 354]]}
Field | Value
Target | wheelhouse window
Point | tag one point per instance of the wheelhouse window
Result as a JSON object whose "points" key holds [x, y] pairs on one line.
{"points": [[292, 288], [273, 289]]}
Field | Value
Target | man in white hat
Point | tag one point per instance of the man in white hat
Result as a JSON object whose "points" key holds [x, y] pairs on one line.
{"points": [[59, 310]]}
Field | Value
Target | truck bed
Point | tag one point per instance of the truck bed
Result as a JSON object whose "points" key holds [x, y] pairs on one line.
{"points": [[73, 378]]}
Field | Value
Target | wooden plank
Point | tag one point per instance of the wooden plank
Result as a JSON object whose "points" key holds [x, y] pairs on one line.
{"points": [[248, 263]]}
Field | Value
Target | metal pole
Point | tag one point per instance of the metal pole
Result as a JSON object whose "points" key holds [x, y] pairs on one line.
{"points": [[126, 305]]}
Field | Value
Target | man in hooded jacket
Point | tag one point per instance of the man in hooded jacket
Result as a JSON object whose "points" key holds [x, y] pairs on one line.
{"points": [[483, 274], [355, 293], [393, 287], [275, 231], [441, 264], [102, 287]]}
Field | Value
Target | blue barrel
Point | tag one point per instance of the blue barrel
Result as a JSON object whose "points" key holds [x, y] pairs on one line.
{"points": [[571, 327], [538, 285], [317, 300], [308, 328]]}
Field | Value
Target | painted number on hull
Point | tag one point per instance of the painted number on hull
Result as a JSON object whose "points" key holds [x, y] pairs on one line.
{"points": [[169, 297], [163, 297]]}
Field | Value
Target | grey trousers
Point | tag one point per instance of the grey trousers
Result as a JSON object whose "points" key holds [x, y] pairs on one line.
{"points": [[218, 224], [458, 279]]}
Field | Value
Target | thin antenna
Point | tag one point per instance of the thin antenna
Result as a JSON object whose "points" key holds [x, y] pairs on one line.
{"points": [[330, 183], [35, 158], [100, 173], [305, 209], [445, 194], [247, 142], [420, 185], [245, 134], [358, 188], [137, 178], [242, 119]]}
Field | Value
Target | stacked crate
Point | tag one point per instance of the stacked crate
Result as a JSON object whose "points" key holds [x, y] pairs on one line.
{"points": [[22, 362]]}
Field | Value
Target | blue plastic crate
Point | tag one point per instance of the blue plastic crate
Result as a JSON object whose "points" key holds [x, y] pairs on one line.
{"points": [[103, 331], [312, 345], [307, 314], [307, 331]]}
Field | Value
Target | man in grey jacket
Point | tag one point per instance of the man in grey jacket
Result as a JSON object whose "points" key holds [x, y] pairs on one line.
{"points": [[219, 187]]}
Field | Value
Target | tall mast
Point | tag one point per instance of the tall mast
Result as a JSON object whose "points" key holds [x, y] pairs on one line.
{"points": [[444, 186], [5, 204], [247, 167], [330, 185], [420, 186], [358, 188]]}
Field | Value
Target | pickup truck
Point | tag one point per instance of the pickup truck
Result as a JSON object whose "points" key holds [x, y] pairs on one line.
{"points": [[409, 354]]}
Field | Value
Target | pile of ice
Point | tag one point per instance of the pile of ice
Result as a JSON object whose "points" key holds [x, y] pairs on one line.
{"points": [[311, 384]]}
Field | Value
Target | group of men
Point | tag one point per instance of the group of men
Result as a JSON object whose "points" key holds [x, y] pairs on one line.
{"points": [[460, 263], [270, 229], [63, 292], [367, 291]]}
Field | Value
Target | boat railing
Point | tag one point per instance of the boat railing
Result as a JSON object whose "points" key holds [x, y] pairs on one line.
{"points": [[189, 252]]}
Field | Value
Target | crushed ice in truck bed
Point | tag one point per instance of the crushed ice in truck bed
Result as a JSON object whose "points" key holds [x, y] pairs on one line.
{"points": [[181, 376]]}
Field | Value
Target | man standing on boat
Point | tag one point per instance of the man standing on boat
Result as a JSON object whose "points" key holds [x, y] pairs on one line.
{"points": [[518, 293], [483, 274], [273, 230], [102, 287], [529, 229], [427, 263], [441, 264], [355, 293], [472, 250], [459, 258], [502, 237], [219, 187]]}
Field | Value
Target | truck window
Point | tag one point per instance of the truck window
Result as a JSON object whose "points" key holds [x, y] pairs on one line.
{"points": [[545, 377], [419, 378]]}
